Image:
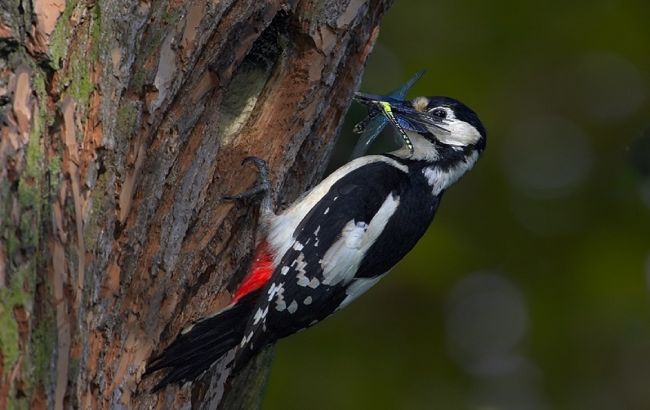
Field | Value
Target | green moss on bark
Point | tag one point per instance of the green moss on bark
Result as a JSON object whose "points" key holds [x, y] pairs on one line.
{"points": [[81, 58], [61, 36]]}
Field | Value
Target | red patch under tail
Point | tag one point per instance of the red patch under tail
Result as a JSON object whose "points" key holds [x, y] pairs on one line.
{"points": [[259, 273]]}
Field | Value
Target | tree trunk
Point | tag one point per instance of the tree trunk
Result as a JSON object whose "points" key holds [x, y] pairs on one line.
{"points": [[123, 125]]}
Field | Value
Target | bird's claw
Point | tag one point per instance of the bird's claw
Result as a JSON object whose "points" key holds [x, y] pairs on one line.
{"points": [[263, 185]]}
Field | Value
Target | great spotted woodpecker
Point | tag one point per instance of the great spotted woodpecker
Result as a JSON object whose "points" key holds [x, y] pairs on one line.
{"points": [[337, 240]]}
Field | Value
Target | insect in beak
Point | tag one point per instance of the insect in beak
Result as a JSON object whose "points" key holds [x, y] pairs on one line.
{"points": [[380, 105], [373, 124]]}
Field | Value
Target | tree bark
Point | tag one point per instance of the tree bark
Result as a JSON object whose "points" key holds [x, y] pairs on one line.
{"points": [[122, 126]]}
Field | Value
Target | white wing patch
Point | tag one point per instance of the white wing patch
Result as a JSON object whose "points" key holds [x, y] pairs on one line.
{"points": [[335, 262], [342, 259]]}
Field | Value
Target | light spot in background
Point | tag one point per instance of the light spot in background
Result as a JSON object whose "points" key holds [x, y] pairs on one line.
{"points": [[547, 156], [486, 319], [608, 87], [634, 371], [486, 322]]}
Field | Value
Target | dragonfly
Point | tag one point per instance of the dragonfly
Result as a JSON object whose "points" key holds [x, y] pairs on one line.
{"points": [[381, 113]]}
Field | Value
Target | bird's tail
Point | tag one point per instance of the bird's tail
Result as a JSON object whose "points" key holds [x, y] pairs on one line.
{"points": [[200, 345]]}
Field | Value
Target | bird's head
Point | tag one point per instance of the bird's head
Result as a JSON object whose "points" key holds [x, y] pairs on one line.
{"points": [[435, 129]]}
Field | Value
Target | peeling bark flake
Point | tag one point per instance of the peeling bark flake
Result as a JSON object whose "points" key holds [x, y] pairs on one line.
{"points": [[126, 193], [111, 284], [206, 84], [326, 40], [116, 59], [5, 31], [47, 13], [194, 17], [316, 69], [72, 151], [165, 73], [22, 105]]}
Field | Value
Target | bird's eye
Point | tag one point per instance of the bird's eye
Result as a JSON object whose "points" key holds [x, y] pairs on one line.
{"points": [[439, 112]]}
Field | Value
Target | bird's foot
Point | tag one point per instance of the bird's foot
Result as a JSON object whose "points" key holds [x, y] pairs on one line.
{"points": [[263, 186]]}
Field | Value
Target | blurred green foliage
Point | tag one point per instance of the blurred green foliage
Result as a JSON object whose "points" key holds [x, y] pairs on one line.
{"points": [[554, 219]]}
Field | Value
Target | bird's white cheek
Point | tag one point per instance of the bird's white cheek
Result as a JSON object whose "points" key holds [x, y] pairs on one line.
{"points": [[460, 134]]}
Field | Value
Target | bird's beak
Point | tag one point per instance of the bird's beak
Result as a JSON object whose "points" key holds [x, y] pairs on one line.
{"points": [[385, 105], [368, 99], [376, 102]]}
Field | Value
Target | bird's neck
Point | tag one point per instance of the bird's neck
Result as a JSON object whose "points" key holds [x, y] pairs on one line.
{"points": [[442, 165], [442, 174]]}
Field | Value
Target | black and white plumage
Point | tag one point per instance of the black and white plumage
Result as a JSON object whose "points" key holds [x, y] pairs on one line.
{"points": [[338, 239]]}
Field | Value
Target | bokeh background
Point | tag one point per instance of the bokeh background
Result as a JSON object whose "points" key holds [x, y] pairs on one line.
{"points": [[531, 290]]}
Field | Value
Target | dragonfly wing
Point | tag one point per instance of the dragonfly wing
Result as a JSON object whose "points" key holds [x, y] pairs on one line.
{"points": [[374, 124]]}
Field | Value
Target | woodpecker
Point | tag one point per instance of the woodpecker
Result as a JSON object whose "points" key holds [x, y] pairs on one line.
{"points": [[338, 239]]}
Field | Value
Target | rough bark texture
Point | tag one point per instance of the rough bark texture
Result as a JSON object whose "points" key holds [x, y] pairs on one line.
{"points": [[122, 125]]}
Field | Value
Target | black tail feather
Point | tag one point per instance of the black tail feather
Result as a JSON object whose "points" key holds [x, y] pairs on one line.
{"points": [[195, 350]]}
